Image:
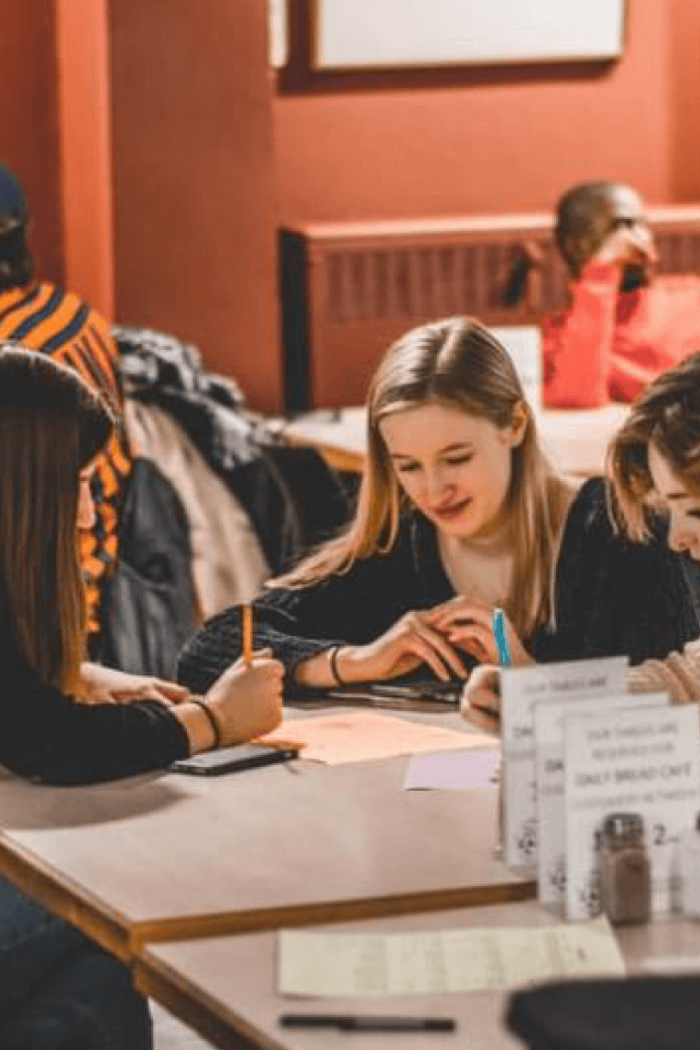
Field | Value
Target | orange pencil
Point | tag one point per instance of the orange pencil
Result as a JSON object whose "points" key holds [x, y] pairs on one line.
{"points": [[247, 613]]}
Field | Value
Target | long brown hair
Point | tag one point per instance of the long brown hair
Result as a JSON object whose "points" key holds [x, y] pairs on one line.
{"points": [[52, 425], [457, 363], [666, 415]]}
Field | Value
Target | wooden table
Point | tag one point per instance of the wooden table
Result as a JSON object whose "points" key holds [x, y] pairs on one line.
{"points": [[175, 856], [225, 986], [574, 441]]}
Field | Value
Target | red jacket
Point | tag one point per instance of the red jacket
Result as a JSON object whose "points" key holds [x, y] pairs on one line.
{"points": [[611, 344]]}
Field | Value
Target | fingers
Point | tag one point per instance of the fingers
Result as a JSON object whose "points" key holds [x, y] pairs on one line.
{"points": [[643, 242], [482, 698], [623, 244], [482, 719], [436, 650], [470, 626], [260, 658], [144, 692], [459, 612], [477, 640], [170, 690]]}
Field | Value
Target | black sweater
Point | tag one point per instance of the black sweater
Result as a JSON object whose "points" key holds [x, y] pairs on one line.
{"points": [[53, 739], [612, 597]]}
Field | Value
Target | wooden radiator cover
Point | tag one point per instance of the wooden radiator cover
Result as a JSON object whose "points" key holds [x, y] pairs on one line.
{"points": [[348, 290]]}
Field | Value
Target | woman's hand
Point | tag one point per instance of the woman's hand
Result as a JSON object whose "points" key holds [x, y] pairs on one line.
{"points": [[481, 699], [106, 684], [627, 244], [469, 625], [246, 700], [413, 640]]}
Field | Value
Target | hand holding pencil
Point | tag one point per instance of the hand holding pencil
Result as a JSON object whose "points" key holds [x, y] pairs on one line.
{"points": [[247, 699]]}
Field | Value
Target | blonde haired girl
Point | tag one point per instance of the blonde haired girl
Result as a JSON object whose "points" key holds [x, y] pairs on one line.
{"points": [[458, 512]]}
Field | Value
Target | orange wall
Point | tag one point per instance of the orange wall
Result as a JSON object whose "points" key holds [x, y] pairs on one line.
{"points": [[86, 163], [193, 178], [482, 141], [29, 125], [206, 158]]}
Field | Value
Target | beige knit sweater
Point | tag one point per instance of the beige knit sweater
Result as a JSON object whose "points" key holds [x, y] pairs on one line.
{"points": [[678, 674]]}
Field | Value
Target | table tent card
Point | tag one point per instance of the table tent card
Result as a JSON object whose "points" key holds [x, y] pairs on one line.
{"points": [[644, 760], [521, 689], [549, 760]]}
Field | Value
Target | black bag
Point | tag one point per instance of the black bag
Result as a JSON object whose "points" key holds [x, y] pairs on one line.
{"points": [[635, 1013], [150, 606]]}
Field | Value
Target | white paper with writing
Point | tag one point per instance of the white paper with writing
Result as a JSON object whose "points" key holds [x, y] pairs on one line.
{"points": [[644, 761], [456, 960], [549, 761], [521, 688]]}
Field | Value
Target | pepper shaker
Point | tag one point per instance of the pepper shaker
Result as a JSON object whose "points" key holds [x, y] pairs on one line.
{"points": [[625, 869]]}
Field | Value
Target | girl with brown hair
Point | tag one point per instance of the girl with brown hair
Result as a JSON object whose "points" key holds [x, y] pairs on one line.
{"points": [[654, 465], [68, 722], [654, 462], [458, 512]]}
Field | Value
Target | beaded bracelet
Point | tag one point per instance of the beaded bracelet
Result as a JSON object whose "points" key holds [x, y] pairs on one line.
{"points": [[213, 721], [333, 664]]}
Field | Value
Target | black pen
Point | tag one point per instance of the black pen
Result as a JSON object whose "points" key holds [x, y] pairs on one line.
{"points": [[369, 1022]]}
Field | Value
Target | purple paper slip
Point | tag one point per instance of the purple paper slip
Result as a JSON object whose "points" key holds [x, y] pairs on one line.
{"points": [[454, 770]]}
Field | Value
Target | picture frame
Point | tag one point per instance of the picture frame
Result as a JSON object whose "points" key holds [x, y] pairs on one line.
{"points": [[356, 35]]}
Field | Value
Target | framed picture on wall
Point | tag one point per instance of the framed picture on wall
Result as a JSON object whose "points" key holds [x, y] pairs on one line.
{"points": [[400, 34], [278, 38]]}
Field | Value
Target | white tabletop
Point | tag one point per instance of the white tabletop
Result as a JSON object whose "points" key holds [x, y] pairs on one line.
{"points": [[173, 855], [226, 986]]}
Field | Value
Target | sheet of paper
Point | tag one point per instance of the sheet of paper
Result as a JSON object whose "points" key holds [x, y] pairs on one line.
{"points": [[358, 736], [453, 960], [550, 763], [521, 689], [524, 346], [454, 770], [644, 761]]}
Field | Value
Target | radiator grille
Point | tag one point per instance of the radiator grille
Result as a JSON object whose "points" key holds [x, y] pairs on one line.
{"points": [[349, 290]]}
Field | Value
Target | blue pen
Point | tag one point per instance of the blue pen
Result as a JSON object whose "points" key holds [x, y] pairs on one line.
{"points": [[499, 633]]}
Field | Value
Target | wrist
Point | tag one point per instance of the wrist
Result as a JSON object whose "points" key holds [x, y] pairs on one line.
{"points": [[348, 665], [317, 672], [200, 724], [333, 656]]}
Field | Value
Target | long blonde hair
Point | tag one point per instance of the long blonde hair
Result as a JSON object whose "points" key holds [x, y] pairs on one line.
{"points": [[457, 363], [666, 415], [52, 425]]}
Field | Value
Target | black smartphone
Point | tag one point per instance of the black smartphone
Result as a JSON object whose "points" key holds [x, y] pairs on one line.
{"points": [[233, 759]]}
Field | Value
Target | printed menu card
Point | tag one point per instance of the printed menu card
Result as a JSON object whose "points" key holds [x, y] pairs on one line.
{"points": [[643, 760], [521, 689]]}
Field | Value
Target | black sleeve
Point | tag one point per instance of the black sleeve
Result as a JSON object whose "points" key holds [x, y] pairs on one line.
{"points": [[53, 739], [614, 597], [352, 608]]}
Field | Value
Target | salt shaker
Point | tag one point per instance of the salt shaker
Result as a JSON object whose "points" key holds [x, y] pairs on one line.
{"points": [[625, 869]]}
